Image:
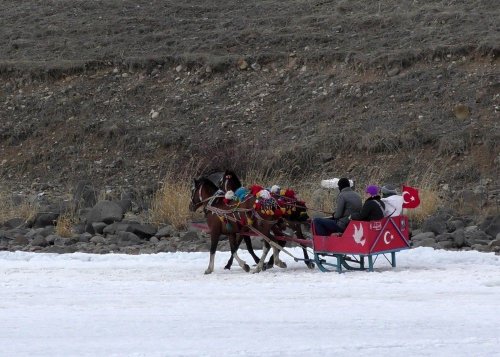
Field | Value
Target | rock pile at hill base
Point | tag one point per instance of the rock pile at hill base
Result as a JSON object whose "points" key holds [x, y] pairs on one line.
{"points": [[108, 227]]}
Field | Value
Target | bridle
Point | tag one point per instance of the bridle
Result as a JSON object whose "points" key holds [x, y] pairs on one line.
{"points": [[198, 191]]}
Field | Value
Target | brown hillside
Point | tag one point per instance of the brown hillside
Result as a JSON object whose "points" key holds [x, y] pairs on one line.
{"points": [[120, 92]]}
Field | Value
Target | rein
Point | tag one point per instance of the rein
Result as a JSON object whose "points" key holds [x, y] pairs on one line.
{"points": [[297, 206]]}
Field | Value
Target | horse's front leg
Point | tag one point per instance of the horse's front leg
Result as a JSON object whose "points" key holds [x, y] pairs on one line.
{"points": [[234, 244], [265, 250], [214, 241]]}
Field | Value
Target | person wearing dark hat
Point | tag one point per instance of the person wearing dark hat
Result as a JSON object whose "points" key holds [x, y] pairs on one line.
{"points": [[373, 208], [348, 203], [393, 202]]}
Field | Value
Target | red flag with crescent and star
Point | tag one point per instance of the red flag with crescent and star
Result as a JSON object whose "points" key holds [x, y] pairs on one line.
{"points": [[411, 198]]}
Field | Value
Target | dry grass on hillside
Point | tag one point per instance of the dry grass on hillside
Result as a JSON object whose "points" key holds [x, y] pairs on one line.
{"points": [[65, 223], [11, 209]]}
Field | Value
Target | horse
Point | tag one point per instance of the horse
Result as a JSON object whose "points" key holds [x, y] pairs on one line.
{"points": [[295, 215], [224, 219], [217, 177]]}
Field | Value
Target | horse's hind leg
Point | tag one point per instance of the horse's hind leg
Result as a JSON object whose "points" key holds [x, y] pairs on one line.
{"points": [[214, 240], [277, 260], [248, 242], [229, 263], [308, 261], [270, 262], [298, 232], [234, 248]]}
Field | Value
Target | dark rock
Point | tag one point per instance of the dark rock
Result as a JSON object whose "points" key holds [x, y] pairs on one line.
{"points": [[130, 250], [494, 243], [45, 219], [79, 228], [459, 237], [128, 238], [98, 240], [85, 238], [85, 195], [89, 228], [117, 227], [39, 241], [14, 223], [167, 231], [454, 225], [422, 236], [446, 244], [491, 225], [190, 236], [165, 246], [144, 230], [20, 239], [51, 238], [105, 211], [63, 241], [444, 237], [98, 227], [46, 231], [125, 204], [481, 248], [475, 236], [436, 224], [427, 242], [154, 240]]}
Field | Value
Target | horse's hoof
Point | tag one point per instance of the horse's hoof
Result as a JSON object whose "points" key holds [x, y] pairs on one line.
{"points": [[257, 270], [310, 265], [281, 264], [227, 267], [208, 271], [246, 268], [267, 266]]}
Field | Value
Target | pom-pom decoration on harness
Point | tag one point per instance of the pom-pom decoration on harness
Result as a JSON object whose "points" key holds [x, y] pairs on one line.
{"points": [[254, 189]]}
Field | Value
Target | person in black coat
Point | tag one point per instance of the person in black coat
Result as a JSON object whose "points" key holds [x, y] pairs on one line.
{"points": [[373, 208]]}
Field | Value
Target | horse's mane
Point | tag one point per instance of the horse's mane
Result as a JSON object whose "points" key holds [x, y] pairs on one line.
{"points": [[234, 177], [205, 180], [215, 176]]}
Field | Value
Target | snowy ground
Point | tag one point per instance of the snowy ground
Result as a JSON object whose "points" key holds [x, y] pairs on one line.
{"points": [[436, 303]]}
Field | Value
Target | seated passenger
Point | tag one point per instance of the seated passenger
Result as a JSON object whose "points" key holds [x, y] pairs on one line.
{"points": [[348, 203], [373, 208], [393, 202]]}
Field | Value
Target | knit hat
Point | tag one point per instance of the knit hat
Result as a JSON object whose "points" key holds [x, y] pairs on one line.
{"points": [[343, 183], [388, 190], [372, 190]]}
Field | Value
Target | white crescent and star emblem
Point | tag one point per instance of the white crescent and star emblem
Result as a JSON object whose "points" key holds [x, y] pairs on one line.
{"points": [[388, 237], [358, 235], [412, 198]]}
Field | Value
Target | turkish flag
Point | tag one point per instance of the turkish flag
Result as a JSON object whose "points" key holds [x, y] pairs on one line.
{"points": [[410, 197]]}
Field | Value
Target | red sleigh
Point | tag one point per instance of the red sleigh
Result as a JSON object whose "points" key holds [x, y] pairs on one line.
{"points": [[362, 240]]}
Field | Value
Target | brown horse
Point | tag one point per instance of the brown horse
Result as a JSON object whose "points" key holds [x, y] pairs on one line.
{"points": [[295, 215], [228, 220]]}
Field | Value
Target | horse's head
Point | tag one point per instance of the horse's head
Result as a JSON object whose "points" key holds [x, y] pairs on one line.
{"points": [[201, 190], [229, 181]]}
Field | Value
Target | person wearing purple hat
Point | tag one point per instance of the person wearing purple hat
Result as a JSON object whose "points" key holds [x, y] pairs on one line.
{"points": [[373, 208]]}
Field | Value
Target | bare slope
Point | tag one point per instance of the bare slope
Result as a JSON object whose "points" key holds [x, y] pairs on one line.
{"points": [[121, 91]]}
